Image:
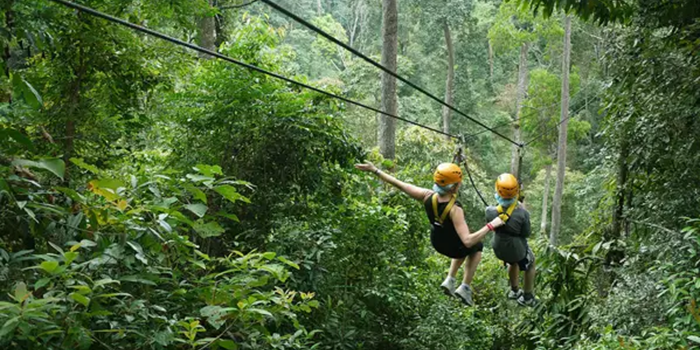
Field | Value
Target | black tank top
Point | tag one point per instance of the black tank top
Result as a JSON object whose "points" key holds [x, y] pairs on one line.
{"points": [[447, 227]]}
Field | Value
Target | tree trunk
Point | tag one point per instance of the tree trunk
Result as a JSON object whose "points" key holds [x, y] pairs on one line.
{"points": [[545, 205], [563, 130], [207, 33], [490, 63], [522, 91], [620, 191], [450, 82], [73, 110], [7, 52], [387, 125], [319, 8]]}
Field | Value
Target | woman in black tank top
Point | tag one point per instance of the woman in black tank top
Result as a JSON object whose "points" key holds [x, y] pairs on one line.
{"points": [[449, 233]]}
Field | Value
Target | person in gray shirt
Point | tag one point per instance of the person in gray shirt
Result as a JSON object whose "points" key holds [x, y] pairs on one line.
{"points": [[510, 240]]}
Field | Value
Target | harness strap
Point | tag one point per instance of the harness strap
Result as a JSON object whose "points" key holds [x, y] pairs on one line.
{"points": [[441, 218], [505, 216]]}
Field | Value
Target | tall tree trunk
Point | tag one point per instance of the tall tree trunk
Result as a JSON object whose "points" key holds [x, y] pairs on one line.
{"points": [[387, 125], [450, 82], [620, 191], [206, 37], [7, 51], [545, 200], [563, 131], [73, 109], [219, 26], [490, 63], [522, 91], [319, 8]]}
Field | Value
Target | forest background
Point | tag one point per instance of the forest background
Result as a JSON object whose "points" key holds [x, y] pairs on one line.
{"points": [[154, 198]]}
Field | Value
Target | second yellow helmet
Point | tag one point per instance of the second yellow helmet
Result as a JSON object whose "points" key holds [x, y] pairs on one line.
{"points": [[507, 186]]}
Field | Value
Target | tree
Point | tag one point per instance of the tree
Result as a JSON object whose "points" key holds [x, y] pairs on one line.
{"points": [[516, 28], [450, 81], [207, 29], [387, 125], [563, 129]]}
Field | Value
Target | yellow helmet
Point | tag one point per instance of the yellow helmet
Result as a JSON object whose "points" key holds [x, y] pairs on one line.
{"points": [[447, 174], [507, 186]]}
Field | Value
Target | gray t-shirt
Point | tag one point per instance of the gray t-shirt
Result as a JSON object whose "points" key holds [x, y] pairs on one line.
{"points": [[510, 240]]}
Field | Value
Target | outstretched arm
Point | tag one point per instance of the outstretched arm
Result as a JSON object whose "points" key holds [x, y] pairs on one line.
{"points": [[469, 239], [415, 192]]}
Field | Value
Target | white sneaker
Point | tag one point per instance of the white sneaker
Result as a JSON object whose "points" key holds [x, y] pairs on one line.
{"points": [[464, 292], [515, 295], [448, 286]]}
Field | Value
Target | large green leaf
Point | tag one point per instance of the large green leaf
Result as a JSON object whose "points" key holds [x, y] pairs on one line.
{"points": [[229, 192], [198, 209], [20, 138], [81, 164], [210, 229], [196, 192], [209, 170], [107, 188], [79, 298], [49, 266], [54, 165]]}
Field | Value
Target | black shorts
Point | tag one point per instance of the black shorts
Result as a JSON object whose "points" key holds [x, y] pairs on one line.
{"points": [[525, 263], [453, 247]]}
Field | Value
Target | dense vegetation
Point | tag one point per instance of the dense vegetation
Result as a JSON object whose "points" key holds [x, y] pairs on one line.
{"points": [[153, 198]]}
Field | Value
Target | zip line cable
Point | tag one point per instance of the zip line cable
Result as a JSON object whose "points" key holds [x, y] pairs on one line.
{"points": [[242, 64], [383, 68]]}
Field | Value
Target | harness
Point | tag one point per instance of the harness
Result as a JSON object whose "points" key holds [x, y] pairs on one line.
{"points": [[440, 218], [506, 215]]}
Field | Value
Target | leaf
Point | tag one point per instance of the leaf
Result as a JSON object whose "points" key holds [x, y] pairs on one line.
{"points": [[121, 205], [20, 138], [200, 178], [229, 192], [49, 266], [41, 283], [228, 216], [137, 279], [69, 257], [210, 229], [87, 243], [31, 95], [288, 262], [54, 165], [227, 344], [21, 292], [103, 282], [694, 338], [79, 298], [261, 311], [208, 170], [72, 194], [81, 164], [198, 209], [196, 192], [9, 326], [107, 188]]}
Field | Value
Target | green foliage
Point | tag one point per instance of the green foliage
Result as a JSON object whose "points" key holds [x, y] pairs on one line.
{"points": [[122, 264]]}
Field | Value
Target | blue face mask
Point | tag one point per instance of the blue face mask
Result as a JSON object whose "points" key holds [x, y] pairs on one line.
{"points": [[443, 190], [504, 202]]}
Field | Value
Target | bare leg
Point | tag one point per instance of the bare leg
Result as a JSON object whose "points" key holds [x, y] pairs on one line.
{"points": [[530, 279], [513, 275], [470, 268], [454, 267]]}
